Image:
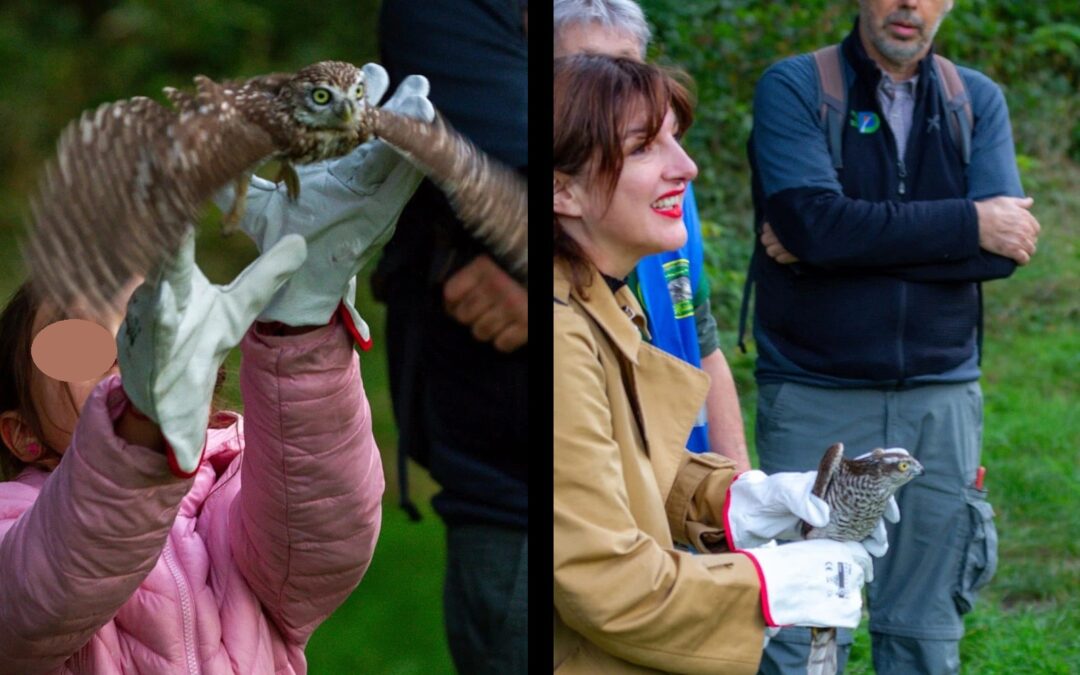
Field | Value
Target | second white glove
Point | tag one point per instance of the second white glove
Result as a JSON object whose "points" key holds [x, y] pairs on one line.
{"points": [[178, 329], [812, 583]]}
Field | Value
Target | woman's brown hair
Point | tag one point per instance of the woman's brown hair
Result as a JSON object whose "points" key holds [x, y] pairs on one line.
{"points": [[595, 98]]}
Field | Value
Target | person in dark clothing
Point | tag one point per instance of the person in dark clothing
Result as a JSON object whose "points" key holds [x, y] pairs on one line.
{"points": [[868, 311], [457, 328]]}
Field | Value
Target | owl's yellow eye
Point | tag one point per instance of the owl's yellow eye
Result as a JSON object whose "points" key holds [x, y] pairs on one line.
{"points": [[903, 466], [360, 92], [320, 95]]}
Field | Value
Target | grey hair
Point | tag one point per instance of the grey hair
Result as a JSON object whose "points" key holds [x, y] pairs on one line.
{"points": [[620, 15]]}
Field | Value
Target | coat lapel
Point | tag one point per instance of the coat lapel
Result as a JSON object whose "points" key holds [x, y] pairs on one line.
{"points": [[665, 392], [670, 393]]}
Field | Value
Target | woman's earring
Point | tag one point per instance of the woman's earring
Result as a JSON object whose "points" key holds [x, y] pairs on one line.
{"points": [[33, 449]]}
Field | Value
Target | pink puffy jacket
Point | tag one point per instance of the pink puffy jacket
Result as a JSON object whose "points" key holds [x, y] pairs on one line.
{"points": [[110, 564]]}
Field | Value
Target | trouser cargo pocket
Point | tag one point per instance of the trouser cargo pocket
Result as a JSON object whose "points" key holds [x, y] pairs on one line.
{"points": [[980, 557]]}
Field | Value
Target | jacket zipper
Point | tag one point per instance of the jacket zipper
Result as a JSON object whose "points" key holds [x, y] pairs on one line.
{"points": [[901, 189], [185, 609]]}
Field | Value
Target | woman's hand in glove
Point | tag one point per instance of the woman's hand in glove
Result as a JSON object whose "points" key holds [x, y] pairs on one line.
{"points": [[812, 583], [761, 508]]}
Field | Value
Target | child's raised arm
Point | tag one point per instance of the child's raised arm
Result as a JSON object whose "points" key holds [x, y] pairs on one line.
{"points": [[304, 522], [77, 543]]}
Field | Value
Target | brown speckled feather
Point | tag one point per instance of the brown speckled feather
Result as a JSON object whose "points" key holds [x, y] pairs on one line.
{"points": [[490, 199], [129, 177], [126, 181]]}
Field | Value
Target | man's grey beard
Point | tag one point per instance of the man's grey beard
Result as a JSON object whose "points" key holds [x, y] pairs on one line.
{"points": [[902, 53]]}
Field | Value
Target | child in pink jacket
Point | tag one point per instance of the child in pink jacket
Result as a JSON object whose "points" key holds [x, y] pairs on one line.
{"points": [[116, 559], [139, 533]]}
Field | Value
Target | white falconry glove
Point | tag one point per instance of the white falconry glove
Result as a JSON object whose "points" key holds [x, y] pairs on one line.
{"points": [[760, 508], [346, 212], [178, 329], [812, 583]]}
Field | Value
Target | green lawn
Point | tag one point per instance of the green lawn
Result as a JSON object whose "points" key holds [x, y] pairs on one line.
{"points": [[1028, 619]]}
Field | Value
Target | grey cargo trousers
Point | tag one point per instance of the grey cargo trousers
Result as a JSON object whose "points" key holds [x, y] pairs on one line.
{"points": [[943, 549]]}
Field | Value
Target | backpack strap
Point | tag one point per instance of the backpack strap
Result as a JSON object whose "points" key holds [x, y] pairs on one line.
{"points": [[832, 95], [957, 105], [747, 291]]}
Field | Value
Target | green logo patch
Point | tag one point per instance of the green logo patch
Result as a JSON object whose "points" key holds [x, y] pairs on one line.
{"points": [[865, 122]]}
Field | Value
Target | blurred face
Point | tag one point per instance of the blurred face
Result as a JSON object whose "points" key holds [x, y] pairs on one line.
{"points": [[899, 32], [644, 214], [592, 38], [60, 403]]}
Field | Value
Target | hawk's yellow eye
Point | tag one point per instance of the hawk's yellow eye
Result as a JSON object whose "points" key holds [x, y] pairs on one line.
{"points": [[903, 466], [321, 95]]}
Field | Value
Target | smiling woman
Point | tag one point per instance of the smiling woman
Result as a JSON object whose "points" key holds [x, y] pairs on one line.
{"points": [[620, 171], [629, 500]]}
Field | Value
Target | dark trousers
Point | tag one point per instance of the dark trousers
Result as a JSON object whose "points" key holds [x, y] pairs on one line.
{"points": [[485, 599]]}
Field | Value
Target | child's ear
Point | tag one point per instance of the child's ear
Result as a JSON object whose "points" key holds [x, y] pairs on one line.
{"points": [[18, 438], [566, 202]]}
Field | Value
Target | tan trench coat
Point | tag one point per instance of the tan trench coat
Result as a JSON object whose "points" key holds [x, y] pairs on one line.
{"points": [[626, 489]]}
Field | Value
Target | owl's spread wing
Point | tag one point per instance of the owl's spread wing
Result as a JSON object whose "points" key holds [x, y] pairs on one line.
{"points": [[270, 82], [126, 181], [490, 199]]}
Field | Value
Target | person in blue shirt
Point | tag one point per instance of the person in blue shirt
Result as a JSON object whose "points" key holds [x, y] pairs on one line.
{"points": [[671, 287], [868, 307]]}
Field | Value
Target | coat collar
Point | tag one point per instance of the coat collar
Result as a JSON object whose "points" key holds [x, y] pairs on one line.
{"points": [[610, 311]]}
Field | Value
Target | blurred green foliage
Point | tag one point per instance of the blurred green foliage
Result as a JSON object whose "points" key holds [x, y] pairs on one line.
{"points": [[1032, 49]]}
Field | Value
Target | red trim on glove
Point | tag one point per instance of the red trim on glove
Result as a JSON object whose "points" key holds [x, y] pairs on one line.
{"points": [[170, 455], [346, 318], [175, 468], [727, 520], [764, 592]]}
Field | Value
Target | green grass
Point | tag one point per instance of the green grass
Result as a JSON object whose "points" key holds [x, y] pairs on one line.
{"points": [[1028, 619]]}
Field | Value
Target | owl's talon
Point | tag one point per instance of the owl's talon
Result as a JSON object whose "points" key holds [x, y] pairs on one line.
{"points": [[287, 174], [230, 222]]}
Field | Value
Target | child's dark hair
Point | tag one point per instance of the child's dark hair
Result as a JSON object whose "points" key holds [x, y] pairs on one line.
{"points": [[16, 371]]}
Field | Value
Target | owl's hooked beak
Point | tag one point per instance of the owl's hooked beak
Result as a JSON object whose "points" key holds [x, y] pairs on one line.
{"points": [[346, 110]]}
